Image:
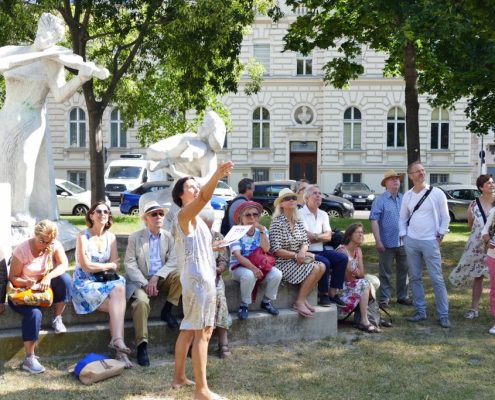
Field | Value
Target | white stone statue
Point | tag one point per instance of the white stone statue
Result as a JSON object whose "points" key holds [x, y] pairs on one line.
{"points": [[190, 154], [31, 72]]}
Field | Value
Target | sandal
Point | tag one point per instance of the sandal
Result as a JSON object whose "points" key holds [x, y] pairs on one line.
{"points": [[224, 351], [119, 347], [301, 312], [120, 356], [471, 314], [370, 328]]}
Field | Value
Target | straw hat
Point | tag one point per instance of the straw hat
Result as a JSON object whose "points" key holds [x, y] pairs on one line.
{"points": [[391, 174], [243, 206], [152, 206], [285, 192]]}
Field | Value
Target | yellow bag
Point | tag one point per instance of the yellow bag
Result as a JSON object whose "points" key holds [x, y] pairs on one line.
{"points": [[29, 297]]}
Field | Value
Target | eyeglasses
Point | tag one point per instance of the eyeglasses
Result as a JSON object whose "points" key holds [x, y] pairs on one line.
{"points": [[157, 213], [289, 198], [252, 215], [101, 211]]}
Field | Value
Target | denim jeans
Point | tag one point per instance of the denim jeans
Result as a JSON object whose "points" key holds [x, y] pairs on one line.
{"points": [[335, 265], [427, 251], [247, 280], [386, 260]]}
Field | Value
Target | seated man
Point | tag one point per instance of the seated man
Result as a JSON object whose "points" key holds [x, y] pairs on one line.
{"points": [[151, 267], [318, 229]]}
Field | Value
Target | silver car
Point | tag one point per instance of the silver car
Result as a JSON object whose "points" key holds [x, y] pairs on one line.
{"points": [[459, 197]]}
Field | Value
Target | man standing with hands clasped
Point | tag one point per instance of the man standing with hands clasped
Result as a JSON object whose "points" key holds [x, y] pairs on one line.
{"points": [[424, 220], [384, 216], [151, 268]]}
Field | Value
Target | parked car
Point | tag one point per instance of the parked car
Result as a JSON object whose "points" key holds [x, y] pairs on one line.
{"points": [[358, 193], [225, 191], [458, 198], [129, 200], [73, 199], [266, 192]]}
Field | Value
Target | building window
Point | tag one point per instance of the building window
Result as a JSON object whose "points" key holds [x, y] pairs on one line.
{"points": [[261, 128], [396, 128], [261, 53], [304, 64], [77, 177], [301, 10], [77, 128], [352, 128], [351, 177], [439, 129], [439, 178], [118, 135], [261, 174]]}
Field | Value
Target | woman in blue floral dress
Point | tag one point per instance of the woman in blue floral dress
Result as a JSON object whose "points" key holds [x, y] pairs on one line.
{"points": [[96, 256]]}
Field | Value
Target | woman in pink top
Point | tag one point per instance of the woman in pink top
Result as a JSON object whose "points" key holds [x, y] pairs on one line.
{"points": [[40, 261]]}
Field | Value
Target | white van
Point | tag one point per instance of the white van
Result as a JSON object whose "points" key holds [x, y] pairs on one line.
{"points": [[126, 173]]}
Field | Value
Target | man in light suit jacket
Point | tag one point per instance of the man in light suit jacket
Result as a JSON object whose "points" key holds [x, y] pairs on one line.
{"points": [[151, 268]]}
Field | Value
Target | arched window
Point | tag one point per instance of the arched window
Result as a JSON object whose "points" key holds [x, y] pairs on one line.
{"points": [[396, 128], [352, 128], [439, 129], [118, 136], [261, 128], [77, 127]]}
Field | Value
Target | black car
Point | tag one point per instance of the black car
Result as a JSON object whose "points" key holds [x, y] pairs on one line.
{"points": [[266, 192], [358, 193]]}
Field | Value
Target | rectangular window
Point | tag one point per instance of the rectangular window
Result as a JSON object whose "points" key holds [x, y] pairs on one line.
{"points": [[439, 178], [351, 177], [77, 177], [304, 64], [256, 135], [261, 174], [261, 53]]}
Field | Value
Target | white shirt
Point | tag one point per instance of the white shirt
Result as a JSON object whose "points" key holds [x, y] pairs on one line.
{"points": [[430, 220], [315, 224]]}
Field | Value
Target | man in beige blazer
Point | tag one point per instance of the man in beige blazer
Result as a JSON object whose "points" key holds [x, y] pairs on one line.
{"points": [[151, 268]]}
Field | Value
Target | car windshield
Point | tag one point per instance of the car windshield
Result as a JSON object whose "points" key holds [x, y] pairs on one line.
{"points": [[355, 186], [124, 172], [71, 187]]}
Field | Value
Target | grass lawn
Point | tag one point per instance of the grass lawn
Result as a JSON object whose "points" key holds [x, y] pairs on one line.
{"points": [[407, 361]]}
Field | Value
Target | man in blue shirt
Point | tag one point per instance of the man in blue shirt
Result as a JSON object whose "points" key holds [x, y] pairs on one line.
{"points": [[384, 216]]}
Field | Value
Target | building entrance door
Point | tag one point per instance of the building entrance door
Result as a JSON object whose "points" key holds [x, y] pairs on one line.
{"points": [[303, 159]]}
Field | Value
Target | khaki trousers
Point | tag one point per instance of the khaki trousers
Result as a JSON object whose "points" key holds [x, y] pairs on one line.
{"points": [[140, 305]]}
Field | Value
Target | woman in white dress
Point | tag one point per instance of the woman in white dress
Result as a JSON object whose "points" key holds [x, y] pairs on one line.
{"points": [[472, 265], [198, 272]]}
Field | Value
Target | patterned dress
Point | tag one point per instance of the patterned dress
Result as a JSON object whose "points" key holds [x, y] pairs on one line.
{"points": [[282, 237], [196, 262], [353, 289], [473, 260], [87, 293]]}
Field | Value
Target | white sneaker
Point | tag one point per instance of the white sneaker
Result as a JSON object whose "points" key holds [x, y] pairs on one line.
{"points": [[58, 325], [32, 365], [492, 330]]}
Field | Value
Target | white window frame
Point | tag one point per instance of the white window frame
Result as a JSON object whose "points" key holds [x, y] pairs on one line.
{"points": [[396, 123], [80, 126], [353, 123], [261, 121], [440, 121], [81, 178], [118, 123], [304, 59], [262, 55]]}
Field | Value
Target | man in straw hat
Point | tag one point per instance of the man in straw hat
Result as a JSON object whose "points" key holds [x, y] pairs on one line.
{"points": [[384, 216], [151, 268]]}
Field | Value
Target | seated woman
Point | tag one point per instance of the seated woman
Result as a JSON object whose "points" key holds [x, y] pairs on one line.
{"points": [[289, 243], [223, 321], [241, 267], [96, 285], [40, 261], [356, 289]]}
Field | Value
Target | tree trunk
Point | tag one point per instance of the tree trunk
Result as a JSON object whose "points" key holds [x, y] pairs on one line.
{"points": [[96, 153], [412, 105]]}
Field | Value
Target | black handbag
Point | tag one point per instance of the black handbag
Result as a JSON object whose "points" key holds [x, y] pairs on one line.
{"points": [[105, 276]]}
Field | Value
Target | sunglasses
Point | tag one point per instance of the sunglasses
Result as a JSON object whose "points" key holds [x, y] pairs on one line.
{"points": [[289, 198], [157, 213], [101, 211], [251, 215]]}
